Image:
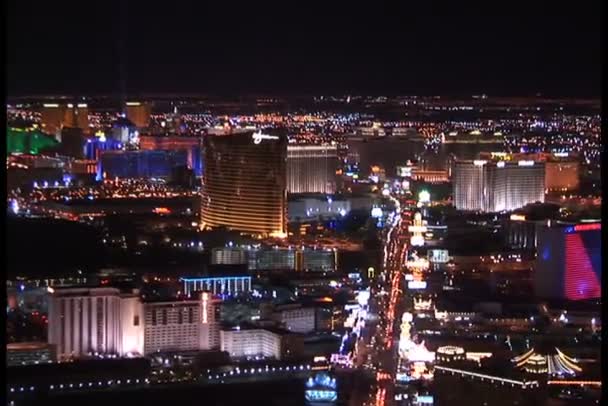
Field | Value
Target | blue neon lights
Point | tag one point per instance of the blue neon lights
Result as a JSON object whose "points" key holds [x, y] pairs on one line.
{"points": [[321, 388]]}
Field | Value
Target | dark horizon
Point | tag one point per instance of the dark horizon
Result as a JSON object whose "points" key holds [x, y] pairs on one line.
{"points": [[56, 48]]}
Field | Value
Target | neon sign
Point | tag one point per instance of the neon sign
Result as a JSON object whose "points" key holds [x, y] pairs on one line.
{"points": [[258, 137], [205, 298], [588, 227]]}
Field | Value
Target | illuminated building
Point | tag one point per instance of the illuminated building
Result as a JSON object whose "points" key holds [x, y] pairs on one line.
{"points": [[556, 364], [138, 113], [222, 285], [321, 388], [141, 164], [252, 341], [430, 176], [561, 170], [449, 354], [187, 325], [95, 320], [27, 141], [29, 353], [311, 169], [244, 183], [228, 256], [76, 116], [490, 186], [569, 262], [515, 185], [193, 146], [52, 116]]}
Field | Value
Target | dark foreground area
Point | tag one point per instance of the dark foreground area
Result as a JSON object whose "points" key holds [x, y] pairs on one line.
{"points": [[286, 393]]}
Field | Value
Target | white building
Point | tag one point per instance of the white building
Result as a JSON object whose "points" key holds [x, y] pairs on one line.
{"points": [[269, 342], [311, 168], [493, 186], [95, 320], [188, 325]]}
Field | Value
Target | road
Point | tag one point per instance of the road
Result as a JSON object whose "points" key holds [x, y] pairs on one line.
{"points": [[377, 348]]}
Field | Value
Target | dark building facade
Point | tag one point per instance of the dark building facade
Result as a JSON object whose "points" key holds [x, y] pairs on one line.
{"points": [[142, 164]]}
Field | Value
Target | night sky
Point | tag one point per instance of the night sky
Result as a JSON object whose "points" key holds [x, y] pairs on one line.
{"points": [[305, 48]]}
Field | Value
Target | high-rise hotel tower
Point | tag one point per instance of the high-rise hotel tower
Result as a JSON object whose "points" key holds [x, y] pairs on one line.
{"points": [[311, 169], [244, 186], [491, 186]]}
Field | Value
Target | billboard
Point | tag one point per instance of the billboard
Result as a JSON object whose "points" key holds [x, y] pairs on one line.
{"points": [[416, 285], [404, 171], [438, 256]]}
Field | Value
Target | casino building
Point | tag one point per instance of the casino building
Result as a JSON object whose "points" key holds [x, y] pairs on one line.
{"points": [[569, 262], [244, 184]]}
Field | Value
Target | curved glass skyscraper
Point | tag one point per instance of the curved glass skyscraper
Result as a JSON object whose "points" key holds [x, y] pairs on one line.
{"points": [[244, 185]]}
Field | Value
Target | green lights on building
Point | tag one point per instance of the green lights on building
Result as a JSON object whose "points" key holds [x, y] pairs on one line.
{"points": [[27, 141]]}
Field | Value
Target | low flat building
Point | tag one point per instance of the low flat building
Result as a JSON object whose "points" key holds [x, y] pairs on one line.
{"points": [[29, 353], [268, 342]]}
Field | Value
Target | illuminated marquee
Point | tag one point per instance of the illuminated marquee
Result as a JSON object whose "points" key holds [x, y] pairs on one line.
{"points": [[526, 163]]}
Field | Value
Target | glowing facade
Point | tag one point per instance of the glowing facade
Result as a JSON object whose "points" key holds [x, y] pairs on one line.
{"points": [[311, 169], [244, 186], [490, 186], [138, 113], [95, 320], [190, 325], [221, 285], [569, 262], [251, 342], [556, 364], [26, 141], [55, 116]]}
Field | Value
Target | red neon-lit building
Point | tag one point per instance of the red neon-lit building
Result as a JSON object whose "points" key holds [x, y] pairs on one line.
{"points": [[569, 262]]}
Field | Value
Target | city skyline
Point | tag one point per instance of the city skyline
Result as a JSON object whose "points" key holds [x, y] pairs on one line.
{"points": [[319, 205]]}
